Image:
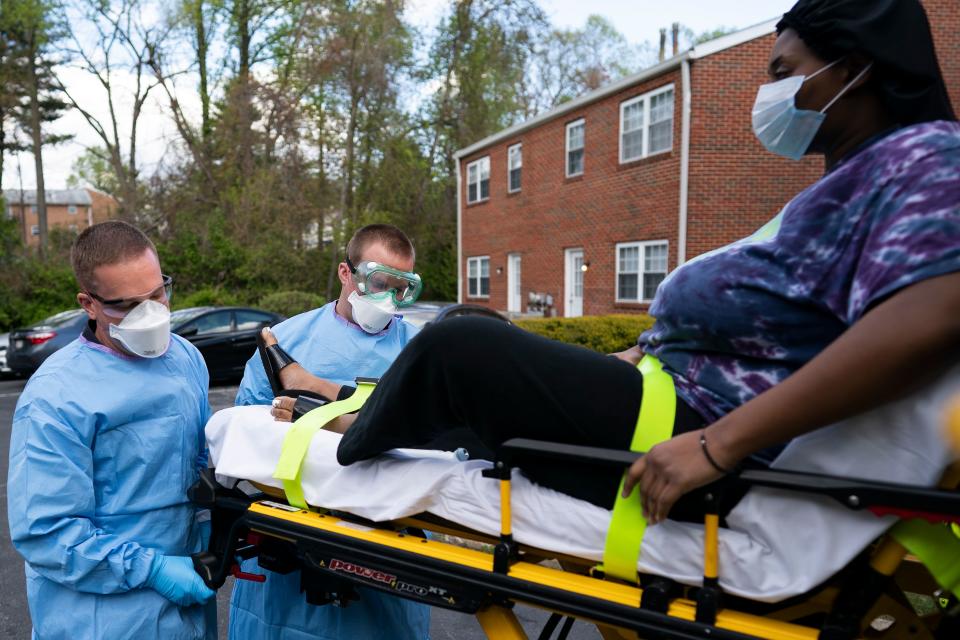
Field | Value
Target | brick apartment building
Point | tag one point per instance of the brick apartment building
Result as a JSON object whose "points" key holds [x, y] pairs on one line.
{"points": [[593, 202], [73, 209]]}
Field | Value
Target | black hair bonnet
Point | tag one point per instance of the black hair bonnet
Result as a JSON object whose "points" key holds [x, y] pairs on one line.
{"points": [[895, 34]]}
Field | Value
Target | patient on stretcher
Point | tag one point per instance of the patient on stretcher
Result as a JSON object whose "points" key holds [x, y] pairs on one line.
{"points": [[774, 545]]}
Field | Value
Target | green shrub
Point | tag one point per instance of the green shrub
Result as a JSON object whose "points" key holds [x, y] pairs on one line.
{"points": [[208, 296], [605, 334], [32, 288], [290, 303]]}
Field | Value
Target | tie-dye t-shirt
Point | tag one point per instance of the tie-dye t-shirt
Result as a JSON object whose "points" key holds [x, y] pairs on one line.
{"points": [[736, 321]]}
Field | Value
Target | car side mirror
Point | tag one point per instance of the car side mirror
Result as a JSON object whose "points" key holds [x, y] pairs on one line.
{"points": [[186, 333]]}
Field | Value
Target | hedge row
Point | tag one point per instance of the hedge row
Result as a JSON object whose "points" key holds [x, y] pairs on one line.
{"points": [[605, 334]]}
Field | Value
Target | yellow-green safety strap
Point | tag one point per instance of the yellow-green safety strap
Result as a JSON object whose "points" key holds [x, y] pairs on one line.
{"points": [[658, 408], [937, 547], [298, 439]]}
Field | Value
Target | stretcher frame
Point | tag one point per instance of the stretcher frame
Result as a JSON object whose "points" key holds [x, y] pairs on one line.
{"points": [[337, 552]]}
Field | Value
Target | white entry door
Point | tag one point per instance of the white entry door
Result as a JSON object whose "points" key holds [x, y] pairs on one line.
{"points": [[514, 300], [573, 283]]}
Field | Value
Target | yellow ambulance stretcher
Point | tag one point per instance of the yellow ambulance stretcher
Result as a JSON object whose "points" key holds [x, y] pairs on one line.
{"points": [[336, 552]]}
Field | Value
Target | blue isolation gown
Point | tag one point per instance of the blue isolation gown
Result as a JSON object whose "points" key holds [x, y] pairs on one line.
{"points": [[330, 347], [103, 449]]}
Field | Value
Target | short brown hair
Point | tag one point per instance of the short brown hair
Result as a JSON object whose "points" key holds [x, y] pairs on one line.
{"points": [[106, 243], [388, 235]]}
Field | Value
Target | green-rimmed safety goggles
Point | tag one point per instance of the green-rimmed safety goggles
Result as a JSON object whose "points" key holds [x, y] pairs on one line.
{"points": [[379, 282]]}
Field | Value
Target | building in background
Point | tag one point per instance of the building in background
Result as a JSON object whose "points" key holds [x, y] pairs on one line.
{"points": [[71, 209], [585, 208]]}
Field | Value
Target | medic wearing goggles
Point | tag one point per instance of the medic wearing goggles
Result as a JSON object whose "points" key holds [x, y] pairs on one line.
{"points": [[120, 307], [381, 292]]}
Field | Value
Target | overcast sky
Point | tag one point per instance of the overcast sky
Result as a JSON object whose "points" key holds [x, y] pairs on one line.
{"points": [[639, 20]]}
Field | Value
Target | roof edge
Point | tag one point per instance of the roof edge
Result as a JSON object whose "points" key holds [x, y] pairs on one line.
{"points": [[733, 39], [700, 51], [651, 72]]}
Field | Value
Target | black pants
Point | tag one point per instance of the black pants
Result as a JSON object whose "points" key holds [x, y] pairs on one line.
{"points": [[502, 382]]}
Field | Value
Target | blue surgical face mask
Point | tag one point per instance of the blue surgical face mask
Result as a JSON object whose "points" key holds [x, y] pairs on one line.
{"points": [[779, 125]]}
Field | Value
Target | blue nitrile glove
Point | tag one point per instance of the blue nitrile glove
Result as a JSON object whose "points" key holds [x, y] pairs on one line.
{"points": [[174, 578]]}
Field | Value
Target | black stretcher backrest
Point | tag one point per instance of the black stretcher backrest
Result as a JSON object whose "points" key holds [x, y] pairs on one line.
{"points": [[457, 310]]}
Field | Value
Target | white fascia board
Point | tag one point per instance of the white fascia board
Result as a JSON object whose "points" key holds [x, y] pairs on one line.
{"points": [[733, 39], [573, 105], [700, 51]]}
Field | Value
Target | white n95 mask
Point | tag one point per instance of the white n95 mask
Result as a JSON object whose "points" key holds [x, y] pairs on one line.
{"points": [[145, 331], [372, 315]]}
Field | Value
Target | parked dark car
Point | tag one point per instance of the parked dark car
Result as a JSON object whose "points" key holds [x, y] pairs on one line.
{"points": [[30, 346], [226, 336], [4, 343], [422, 313]]}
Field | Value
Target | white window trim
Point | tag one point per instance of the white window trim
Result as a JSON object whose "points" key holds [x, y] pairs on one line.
{"points": [[566, 155], [477, 259], [74, 209], [640, 270], [519, 145], [479, 166], [645, 98]]}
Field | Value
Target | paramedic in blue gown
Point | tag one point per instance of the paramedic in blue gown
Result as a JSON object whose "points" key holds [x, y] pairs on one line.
{"points": [[346, 338], [107, 437]]}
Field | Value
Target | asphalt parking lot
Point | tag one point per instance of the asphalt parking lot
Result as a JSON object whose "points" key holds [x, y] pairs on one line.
{"points": [[15, 617]]}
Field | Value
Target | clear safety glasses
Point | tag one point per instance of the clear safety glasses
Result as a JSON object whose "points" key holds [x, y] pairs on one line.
{"points": [[120, 307], [380, 282]]}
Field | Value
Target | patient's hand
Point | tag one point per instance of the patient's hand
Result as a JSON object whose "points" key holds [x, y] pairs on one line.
{"points": [[633, 355], [282, 409], [667, 471]]}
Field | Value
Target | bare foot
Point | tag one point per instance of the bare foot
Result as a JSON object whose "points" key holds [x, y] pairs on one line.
{"points": [[292, 376]]}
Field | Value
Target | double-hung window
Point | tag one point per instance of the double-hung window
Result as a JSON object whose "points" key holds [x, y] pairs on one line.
{"points": [[641, 267], [478, 180], [646, 124], [575, 134], [478, 277], [514, 167]]}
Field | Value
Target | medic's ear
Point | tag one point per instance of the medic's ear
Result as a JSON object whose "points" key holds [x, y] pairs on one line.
{"points": [[86, 303], [343, 272]]}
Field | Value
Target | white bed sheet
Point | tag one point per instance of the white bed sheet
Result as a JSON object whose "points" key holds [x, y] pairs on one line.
{"points": [[778, 544]]}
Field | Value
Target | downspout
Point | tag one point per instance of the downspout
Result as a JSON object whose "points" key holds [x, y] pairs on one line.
{"points": [[459, 236], [684, 160]]}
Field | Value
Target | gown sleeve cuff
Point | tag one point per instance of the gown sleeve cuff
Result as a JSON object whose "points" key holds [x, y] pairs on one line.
{"points": [[140, 564]]}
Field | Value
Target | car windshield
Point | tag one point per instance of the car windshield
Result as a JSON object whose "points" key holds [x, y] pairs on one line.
{"points": [[62, 318], [182, 316]]}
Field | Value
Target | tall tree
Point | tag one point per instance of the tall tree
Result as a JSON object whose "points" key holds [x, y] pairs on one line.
{"points": [[115, 41], [93, 169], [31, 34], [356, 56], [479, 59], [13, 81], [571, 62]]}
